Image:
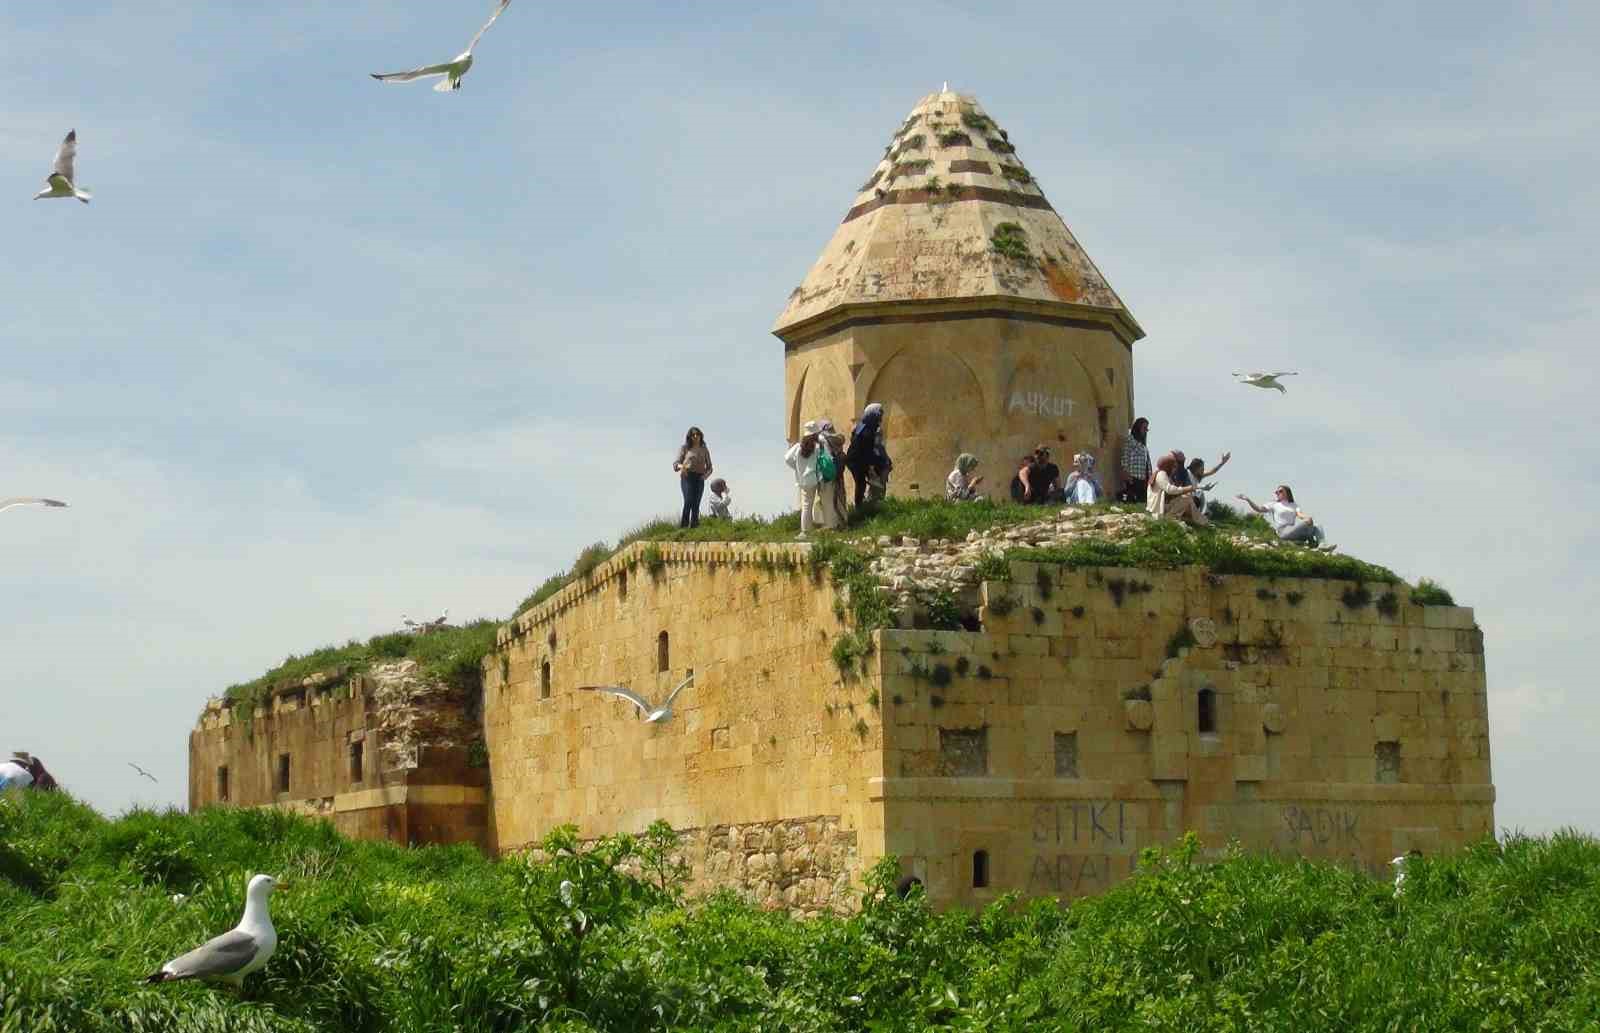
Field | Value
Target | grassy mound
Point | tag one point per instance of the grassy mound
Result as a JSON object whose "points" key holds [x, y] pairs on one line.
{"points": [[457, 653], [453, 655], [375, 937]]}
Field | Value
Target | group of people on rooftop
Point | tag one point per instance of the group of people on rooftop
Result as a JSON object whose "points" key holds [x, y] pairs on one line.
{"points": [[1172, 486], [818, 461]]}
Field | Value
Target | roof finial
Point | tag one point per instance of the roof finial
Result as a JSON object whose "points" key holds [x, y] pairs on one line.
{"points": [[945, 88]]}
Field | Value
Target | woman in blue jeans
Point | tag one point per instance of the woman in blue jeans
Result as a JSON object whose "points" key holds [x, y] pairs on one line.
{"points": [[693, 466]]}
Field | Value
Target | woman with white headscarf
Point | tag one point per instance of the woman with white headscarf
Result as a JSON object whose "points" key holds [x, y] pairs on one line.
{"points": [[962, 484], [1083, 484], [802, 459]]}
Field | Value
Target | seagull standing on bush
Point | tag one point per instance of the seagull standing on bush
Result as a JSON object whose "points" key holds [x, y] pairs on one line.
{"points": [[60, 182], [649, 713], [1268, 380], [452, 70], [235, 954], [6, 504]]}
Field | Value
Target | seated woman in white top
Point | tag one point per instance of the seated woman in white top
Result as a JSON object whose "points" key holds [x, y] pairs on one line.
{"points": [[962, 484], [1083, 485], [1290, 522]]}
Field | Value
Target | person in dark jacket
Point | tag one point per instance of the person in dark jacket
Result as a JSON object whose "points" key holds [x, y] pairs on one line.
{"points": [[866, 456]]}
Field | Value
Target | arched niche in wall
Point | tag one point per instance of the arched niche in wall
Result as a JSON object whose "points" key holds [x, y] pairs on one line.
{"points": [[933, 407], [1050, 397], [823, 390]]}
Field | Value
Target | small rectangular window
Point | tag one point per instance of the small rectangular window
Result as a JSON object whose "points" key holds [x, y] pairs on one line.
{"points": [[1066, 754], [357, 757], [222, 784], [283, 772], [963, 751], [1387, 757]]}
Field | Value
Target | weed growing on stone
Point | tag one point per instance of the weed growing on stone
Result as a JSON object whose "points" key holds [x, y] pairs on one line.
{"points": [[1356, 596], [993, 567], [1430, 593], [1181, 639], [1009, 240]]}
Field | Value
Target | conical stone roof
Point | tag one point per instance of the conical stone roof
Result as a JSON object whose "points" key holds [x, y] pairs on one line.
{"points": [[951, 214]]}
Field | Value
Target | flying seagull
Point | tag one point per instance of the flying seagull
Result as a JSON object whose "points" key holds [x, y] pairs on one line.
{"points": [[453, 69], [1264, 379], [6, 504], [649, 713], [235, 954], [142, 771], [60, 181]]}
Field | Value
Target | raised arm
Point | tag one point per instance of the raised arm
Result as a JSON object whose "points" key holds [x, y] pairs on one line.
{"points": [[1252, 505], [1220, 464]]}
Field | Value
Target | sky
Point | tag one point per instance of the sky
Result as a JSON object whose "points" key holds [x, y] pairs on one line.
{"points": [[325, 351]]}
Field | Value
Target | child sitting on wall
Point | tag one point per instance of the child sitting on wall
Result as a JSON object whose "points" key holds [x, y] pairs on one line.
{"points": [[720, 503]]}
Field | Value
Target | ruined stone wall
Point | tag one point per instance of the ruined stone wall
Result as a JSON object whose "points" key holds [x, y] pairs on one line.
{"points": [[419, 779], [1042, 753], [765, 760]]}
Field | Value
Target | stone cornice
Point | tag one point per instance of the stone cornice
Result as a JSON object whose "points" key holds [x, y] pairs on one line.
{"points": [[994, 306]]}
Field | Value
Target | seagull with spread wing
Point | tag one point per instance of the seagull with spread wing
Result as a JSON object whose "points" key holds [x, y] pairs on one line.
{"points": [[236, 953], [60, 182], [142, 771], [453, 69], [1267, 380], [649, 713], [6, 504]]}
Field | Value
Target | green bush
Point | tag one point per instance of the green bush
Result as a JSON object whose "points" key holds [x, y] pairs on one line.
{"points": [[378, 938], [1430, 593]]}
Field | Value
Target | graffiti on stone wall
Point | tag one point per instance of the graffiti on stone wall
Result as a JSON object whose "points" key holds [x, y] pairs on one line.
{"points": [[1331, 828], [1040, 404], [1079, 823], [1078, 873]]}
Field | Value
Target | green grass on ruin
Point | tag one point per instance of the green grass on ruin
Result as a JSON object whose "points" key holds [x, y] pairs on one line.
{"points": [[457, 653]]}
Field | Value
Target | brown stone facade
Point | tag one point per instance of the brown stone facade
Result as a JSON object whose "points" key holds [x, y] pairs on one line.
{"points": [[1038, 754], [385, 754], [1095, 712]]}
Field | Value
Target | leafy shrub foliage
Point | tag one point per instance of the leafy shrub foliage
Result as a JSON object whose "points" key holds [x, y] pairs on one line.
{"points": [[596, 936]]}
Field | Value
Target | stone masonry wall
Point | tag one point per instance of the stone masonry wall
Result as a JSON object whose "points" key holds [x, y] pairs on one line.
{"points": [[417, 781], [763, 764], [1114, 709]]}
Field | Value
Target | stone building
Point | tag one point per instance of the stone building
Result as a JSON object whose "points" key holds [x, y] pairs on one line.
{"points": [[384, 754], [1093, 713], [953, 293], [1076, 716]]}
